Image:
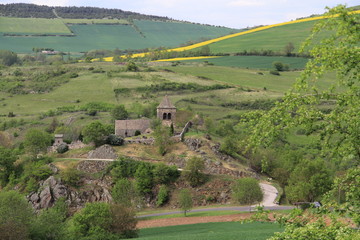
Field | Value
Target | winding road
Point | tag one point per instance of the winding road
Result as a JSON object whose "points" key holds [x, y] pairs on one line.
{"points": [[270, 194]]}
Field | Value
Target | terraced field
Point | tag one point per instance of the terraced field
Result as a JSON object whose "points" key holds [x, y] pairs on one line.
{"points": [[147, 34], [32, 26]]}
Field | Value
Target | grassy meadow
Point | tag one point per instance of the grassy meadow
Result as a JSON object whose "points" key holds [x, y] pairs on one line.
{"points": [[213, 231], [254, 62], [148, 34], [32, 26]]}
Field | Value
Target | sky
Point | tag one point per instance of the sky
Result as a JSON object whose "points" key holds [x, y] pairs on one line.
{"points": [[228, 13]]}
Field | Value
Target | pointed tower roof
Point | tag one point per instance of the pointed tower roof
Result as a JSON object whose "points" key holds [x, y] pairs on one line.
{"points": [[165, 103]]}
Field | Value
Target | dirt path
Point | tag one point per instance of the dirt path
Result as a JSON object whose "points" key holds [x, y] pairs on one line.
{"points": [[270, 194], [191, 220]]}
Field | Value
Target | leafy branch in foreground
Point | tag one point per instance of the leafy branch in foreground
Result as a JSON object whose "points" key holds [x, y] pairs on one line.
{"points": [[339, 129]]}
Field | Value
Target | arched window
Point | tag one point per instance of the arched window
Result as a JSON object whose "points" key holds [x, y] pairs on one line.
{"points": [[169, 116], [164, 116]]}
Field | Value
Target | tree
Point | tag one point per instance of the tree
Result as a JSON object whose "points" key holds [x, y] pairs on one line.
{"points": [[289, 48], [37, 141], [50, 223], [309, 181], [144, 178], [192, 171], [132, 67], [16, 216], [162, 139], [8, 58], [119, 113], [338, 129], [125, 193], [247, 191], [7, 159], [95, 132], [123, 221], [185, 200]]}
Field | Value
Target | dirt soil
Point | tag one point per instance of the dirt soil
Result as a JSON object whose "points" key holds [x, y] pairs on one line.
{"points": [[191, 220]]}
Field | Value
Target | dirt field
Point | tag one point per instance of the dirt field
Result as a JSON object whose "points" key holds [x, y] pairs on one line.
{"points": [[191, 220]]}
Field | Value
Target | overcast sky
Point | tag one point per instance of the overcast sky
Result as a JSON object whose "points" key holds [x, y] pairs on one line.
{"points": [[229, 13]]}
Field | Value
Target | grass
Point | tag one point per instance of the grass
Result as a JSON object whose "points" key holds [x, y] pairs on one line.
{"points": [[32, 26], [193, 214], [254, 62], [213, 231], [95, 21], [95, 36]]}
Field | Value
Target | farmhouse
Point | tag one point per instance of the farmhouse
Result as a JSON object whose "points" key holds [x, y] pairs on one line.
{"points": [[166, 111]]}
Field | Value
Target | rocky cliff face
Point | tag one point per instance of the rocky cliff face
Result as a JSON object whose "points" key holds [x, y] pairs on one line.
{"points": [[92, 190]]}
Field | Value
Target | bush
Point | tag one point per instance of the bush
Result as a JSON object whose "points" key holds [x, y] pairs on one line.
{"points": [[74, 75], [137, 133], [274, 72], [247, 191], [114, 140], [62, 148], [144, 178], [163, 196], [123, 168], [71, 176], [192, 172], [164, 174]]}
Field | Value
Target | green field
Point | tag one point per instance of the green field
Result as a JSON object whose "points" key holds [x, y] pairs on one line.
{"points": [[96, 36], [213, 231], [255, 62], [271, 39], [95, 21], [32, 26], [249, 77]]}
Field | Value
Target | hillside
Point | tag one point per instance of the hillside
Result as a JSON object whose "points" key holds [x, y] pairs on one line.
{"points": [[23, 10]]}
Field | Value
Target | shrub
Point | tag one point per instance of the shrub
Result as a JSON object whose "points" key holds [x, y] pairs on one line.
{"points": [[144, 178], [74, 75], [247, 191], [274, 72], [124, 168], [137, 133], [71, 176], [114, 140], [185, 200], [192, 172], [164, 174], [163, 196], [62, 148]]}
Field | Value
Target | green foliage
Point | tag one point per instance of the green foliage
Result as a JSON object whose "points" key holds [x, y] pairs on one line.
{"points": [[308, 181], [125, 193], [164, 174], [144, 178], [175, 86], [114, 140], [71, 176], [344, 196], [274, 72], [162, 139], [62, 148], [132, 67], [279, 66], [8, 58], [192, 171], [50, 223], [36, 141], [185, 200], [338, 129], [247, 191], [95, 132], [119, 113], [92, 218], [123, 168], [163, 196], [16, 216], [7, 160]]}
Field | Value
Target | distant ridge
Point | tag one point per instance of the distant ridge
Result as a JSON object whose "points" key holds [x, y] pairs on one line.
{"points": [[25, 10]]}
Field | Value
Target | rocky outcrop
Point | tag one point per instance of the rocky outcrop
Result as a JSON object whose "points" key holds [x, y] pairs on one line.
{"points": [[49, 192], [193, 143], [103, 152], [89, 166]]}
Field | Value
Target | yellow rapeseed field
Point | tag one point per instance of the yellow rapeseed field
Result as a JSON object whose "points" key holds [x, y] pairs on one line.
{"points": [[201, 44], [183, 58]]}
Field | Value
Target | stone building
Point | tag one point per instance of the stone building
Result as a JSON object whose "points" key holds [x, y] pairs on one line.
{"points": [[166, 111], [127, 128]]}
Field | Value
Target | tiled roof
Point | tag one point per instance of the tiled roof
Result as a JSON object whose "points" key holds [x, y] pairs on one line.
{"points": [[165, 103]]}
